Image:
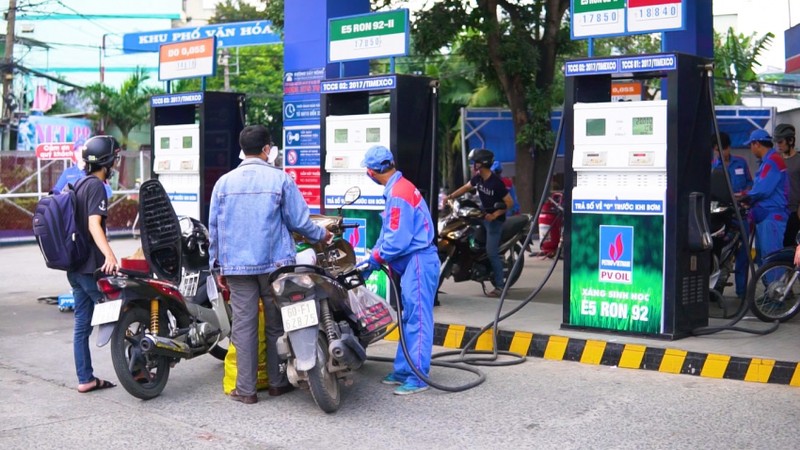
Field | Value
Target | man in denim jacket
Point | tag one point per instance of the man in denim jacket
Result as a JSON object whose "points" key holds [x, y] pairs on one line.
{"points": [[254, 210]]}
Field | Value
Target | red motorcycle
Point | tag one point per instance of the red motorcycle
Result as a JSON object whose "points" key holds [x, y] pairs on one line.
{"points": [[167, 307]]}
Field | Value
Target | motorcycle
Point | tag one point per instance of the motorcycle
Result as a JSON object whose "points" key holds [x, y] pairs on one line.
{"points": [[167, 307], [462, 244], [329, 316], [726, 239], [726, 235]]}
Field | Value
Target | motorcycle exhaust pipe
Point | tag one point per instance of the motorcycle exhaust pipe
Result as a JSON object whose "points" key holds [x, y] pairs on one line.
{"points": [[158, 345], [347, 351]]}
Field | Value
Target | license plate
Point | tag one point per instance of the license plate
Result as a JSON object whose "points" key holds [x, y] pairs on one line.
{"points": [[106, 312], [299, 315]]}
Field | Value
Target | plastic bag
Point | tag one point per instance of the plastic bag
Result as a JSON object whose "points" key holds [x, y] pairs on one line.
{"points": [[370, 310], [262, 379]]}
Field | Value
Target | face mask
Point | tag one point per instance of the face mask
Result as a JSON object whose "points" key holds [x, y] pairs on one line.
{"points": [[272, 155], [374, 180]]}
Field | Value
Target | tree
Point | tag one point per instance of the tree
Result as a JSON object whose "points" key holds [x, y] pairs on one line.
{"points": [[513, 44], [125, 108], [256, 71], [636, 44], [735, 59]]}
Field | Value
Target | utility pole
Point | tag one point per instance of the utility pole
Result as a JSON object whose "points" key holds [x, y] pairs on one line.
{"points": [[226, 73], [8, 71]]}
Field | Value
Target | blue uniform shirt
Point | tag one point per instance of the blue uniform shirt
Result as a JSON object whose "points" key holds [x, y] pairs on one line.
{"points": [[407, 223], [738, 171], [770, 189]]}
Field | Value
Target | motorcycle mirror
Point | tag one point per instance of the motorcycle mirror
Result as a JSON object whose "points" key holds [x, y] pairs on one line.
{"points": [[350, 197], [500, 205], [352, 194]]}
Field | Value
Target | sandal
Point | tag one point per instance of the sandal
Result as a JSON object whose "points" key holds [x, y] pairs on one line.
{"points": [[98, 384]]}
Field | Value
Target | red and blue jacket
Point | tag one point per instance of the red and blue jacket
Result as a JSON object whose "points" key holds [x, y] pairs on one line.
{"points": [[770, 188], [407, 224]]}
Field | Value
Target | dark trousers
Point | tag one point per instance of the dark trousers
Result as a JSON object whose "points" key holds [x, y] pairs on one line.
{"points": [[792, 227]]}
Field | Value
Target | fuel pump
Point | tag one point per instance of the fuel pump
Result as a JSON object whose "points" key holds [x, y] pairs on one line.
{"points": [[352, 123], [195, 141], [636, 241]]}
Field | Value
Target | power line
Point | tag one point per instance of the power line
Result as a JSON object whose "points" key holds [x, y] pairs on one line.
{"points": [[60, 2]]}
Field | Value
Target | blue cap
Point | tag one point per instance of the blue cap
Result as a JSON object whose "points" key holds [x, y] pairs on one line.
{"points": [[378, 157], [758, 135], [497, 167]]}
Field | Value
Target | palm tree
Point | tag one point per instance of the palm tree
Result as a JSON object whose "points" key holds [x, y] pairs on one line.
{"points": [[735, 58], [125, 108]]}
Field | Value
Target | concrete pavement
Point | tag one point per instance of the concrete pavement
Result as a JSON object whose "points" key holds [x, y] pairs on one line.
{"points": [[535, 329]]}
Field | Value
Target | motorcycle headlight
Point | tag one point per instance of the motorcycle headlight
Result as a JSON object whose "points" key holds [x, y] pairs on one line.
{"points": [[456, 234]]}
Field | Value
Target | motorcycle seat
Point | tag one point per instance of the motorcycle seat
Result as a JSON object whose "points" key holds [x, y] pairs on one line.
{"points": [[513, 225]]}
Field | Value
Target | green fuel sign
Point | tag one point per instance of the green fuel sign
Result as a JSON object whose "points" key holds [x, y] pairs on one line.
{"points": [[367, 36]]}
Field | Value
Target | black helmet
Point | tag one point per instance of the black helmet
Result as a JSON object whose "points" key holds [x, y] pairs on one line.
{"points": [[783, 131], [481, 155], [100, 151]]}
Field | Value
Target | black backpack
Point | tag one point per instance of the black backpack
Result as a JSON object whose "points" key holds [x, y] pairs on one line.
{"points": [[55, 226]]}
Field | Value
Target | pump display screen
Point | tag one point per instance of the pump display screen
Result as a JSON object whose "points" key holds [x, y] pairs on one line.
{"points": [[373, 134], [340, 135], [642, 126], [595, 127]]}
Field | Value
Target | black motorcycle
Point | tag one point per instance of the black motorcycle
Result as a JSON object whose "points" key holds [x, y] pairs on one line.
{"points": [[329, 316], [726, 234], [168, 308], [726, 239], [462, 244]]}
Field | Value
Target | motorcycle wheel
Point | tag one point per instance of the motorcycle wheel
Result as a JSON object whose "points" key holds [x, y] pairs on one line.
{"points": [[323, 385], [510, 259], [444, 270], [767, 289], [143, 376], [725, 270]]}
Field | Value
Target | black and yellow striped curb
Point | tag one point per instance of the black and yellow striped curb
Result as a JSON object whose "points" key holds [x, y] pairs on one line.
{"points": [[628, 356]]}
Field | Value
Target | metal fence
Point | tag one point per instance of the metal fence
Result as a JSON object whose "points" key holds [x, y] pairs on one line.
{"points": [[24, 179]]}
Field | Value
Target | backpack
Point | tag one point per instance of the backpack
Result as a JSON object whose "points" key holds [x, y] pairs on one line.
{"points": [[55, 226]]}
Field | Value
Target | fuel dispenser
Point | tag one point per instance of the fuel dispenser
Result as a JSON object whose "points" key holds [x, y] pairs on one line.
{"points": [[349, 129], [195, 142], [637, 248]]}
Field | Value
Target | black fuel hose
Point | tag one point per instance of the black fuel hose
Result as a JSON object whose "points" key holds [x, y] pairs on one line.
{"points": [[469, 356], [449, 364], [745, 304]]}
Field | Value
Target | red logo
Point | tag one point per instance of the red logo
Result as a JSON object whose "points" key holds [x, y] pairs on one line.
{"points": [[616, 248], [354, 237]]}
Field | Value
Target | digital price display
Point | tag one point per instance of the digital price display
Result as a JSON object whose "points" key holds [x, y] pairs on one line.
{"points": [[595, 127], [642, 126]]}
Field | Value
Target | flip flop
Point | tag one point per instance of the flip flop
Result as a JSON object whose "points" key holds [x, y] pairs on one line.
{"points": [[99, 384]]}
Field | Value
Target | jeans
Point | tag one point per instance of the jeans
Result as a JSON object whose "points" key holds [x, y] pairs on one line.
{"points": [[246, 292], [84, 290], [494, 231]]}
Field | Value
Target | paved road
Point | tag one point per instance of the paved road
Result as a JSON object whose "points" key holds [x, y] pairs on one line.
{"points": [[539, 404]]}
